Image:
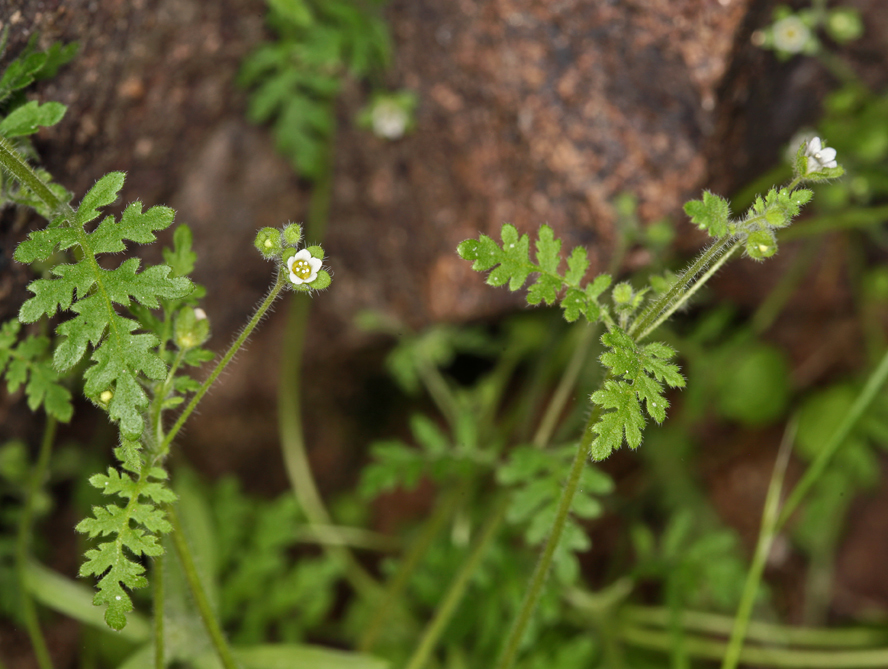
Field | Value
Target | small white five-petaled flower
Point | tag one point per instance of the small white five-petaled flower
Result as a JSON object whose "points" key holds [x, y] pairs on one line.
{"points": [[790, 34], [389, 120], [819, 157], [303, 267]]}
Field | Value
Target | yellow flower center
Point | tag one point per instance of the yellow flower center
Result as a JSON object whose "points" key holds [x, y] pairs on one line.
{"points": [[302, 269]]}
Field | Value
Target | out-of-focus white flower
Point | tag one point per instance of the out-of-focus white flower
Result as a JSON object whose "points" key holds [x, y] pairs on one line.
{"points": [[801, 138], [790, 34], [303, 267], [389, 119], [819, 156]]}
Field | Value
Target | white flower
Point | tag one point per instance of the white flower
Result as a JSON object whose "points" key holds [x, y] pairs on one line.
{"points": [[389, 120], [790, 34], [303, 267], [200, 314], [819, 157]]}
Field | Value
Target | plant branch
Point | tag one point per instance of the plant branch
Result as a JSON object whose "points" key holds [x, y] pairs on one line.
{"points": [[35, 483], [541, 572], [678, 293], [866, 396], [223, 363], [767, 533], [157, 601], [457, 588], [398, 582], [197, 591], [12, 161]]}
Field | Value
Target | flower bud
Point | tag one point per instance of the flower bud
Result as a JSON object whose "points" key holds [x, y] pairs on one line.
{"points": [[761, 244], [191, 328], [622, 293], [292, 234], [268, 242]]}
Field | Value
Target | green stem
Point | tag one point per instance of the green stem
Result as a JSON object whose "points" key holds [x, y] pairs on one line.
{"points": [[541, 572], [565, 386], [711, 649], [439, 391], [457, 588], [866, 396], [677, 295], [160, 395], [766, 537], [761, 632], [197, 591], [24, 174], [716, 266], [296, 458], [35, 483], [223, 363], [157, 601], [408, 565]]}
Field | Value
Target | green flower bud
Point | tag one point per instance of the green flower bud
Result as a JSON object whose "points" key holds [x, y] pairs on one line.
{"points": [[844, 25], [191, 328], [292, 234], [761, 244], [268, 242], [622, 293]]}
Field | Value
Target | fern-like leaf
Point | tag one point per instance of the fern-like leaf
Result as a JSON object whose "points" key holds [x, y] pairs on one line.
{"points": [[537, 478], [638, 375], [120, 355], [510, 263], [134, 529], [27, 364]]}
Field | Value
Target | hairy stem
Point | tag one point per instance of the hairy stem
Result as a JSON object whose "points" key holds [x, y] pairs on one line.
{"points": [[223, 363], [678, 293], [541, 572], [209, 619], [457, 588], [35, 483], [12, 161], [766, 537], [688, 294]]}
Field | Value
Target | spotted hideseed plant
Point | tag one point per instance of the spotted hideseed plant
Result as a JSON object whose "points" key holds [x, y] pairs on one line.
{"points": [[133, 331]]}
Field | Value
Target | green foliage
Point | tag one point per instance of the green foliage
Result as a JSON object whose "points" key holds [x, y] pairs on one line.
{"points": [[776, 210], [511, 264], [27, 364], [255, 540], [711, 214], [119, 356], [30, 117], [701, 565], [134, 528], [637, 375], [855, 467], [395, 464], [296, 79], [538, 479], [31, 65]]}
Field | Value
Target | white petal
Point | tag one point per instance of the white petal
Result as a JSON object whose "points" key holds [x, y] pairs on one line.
{"points": [[303, 254], [813, 147], [826, 155], [315, 263]]}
